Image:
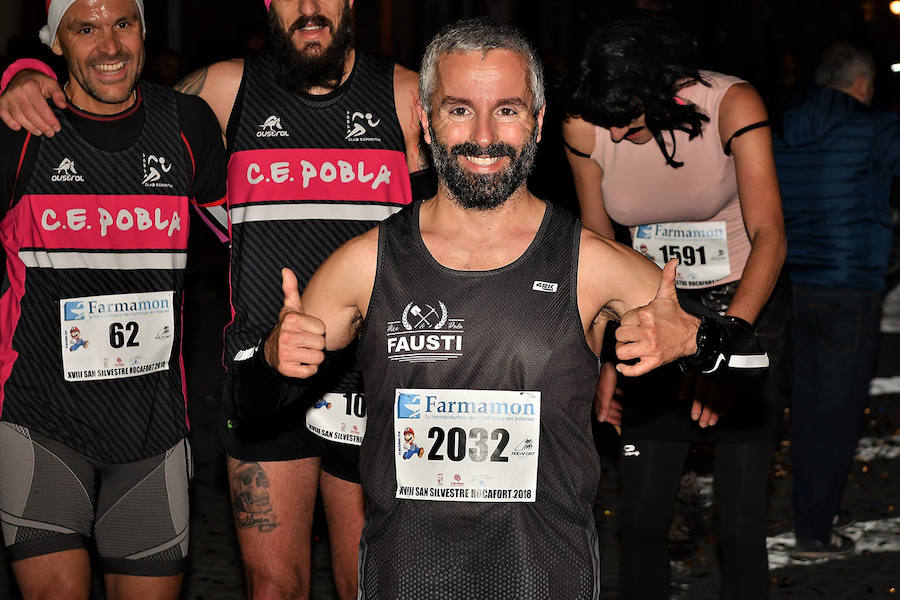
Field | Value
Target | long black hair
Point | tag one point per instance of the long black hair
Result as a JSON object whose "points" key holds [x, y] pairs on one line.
{"points": [[636, 65]]}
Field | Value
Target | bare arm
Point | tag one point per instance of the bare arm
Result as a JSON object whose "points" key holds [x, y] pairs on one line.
{"points": [[218, 85], [588, 176], [330, 311], [617, 283], [760, 199], [406, 95]]}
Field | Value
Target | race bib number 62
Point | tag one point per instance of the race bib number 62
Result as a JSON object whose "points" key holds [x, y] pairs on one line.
{"points": [[467, 445], [116, 336]]}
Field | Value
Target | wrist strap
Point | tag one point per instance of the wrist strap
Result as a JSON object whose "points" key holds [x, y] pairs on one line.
{"points": [[24, 64]]}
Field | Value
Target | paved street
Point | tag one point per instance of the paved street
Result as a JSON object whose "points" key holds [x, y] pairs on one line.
{"points": [[871, 498]]}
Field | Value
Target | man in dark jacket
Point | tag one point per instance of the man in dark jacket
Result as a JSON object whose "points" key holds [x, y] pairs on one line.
{"points": [[836, 159]]}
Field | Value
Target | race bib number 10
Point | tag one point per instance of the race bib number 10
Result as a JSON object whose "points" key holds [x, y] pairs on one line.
{"points": [[116, 336], [467, 445]]}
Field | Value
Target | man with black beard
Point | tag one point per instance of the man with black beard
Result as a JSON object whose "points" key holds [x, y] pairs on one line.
{"points": [[320, 138], [479, 315]]}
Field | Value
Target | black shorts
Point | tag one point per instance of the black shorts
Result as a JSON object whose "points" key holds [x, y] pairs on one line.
{"points": [[285, 438]]}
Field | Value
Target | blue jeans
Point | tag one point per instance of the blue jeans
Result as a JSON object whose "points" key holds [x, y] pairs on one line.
{"points": [[835, 342]]}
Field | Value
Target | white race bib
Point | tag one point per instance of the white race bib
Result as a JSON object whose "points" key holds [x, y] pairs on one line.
{"points": [[116, 336], [338, 417], [467, 445], [701, 248]]}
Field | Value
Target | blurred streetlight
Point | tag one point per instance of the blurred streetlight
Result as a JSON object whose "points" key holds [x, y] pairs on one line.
{"points": [[895, 7]]}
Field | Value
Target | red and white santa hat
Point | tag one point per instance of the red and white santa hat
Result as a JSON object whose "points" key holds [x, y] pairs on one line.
{"points": [[57, 8]]}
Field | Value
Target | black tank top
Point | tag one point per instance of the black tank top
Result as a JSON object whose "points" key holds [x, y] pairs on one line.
{"points": [[306, 174], [437, 346], [99, 234]]}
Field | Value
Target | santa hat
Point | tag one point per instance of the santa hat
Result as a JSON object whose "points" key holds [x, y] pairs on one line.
{"points": [[57, 8]]}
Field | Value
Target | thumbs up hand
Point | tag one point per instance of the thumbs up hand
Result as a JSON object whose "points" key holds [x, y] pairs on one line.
{"points": [[657, 333], [295, 347]]}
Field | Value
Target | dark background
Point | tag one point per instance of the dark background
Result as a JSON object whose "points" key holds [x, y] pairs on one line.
{"points": [[774, 44], [748, 38]]}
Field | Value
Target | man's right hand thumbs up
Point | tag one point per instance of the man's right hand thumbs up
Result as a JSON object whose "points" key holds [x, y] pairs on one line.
{"points": [[295, 347]]}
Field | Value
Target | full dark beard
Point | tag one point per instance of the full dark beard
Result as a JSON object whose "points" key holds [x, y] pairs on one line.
{"points": [[479, 191], [300, 71]]}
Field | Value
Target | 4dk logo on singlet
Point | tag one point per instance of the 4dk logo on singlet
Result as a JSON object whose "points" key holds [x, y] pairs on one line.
{"points": [[66, 171], [271, 127], [425, 333]]}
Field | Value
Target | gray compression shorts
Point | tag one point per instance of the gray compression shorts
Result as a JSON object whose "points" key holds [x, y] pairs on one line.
{"points": [[53, 498]]}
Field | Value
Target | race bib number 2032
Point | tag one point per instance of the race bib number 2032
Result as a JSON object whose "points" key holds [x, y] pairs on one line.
{"points": [[467, 445]]}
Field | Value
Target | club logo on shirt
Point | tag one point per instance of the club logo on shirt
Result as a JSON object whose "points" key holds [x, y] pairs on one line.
{"points": [[425, 333], [271, 127], [154, 168], [66, 171], [359, 126], [545, 286]]}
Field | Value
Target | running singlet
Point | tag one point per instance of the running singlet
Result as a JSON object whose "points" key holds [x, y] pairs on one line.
{"points": [[306, 174], [90, 327], [478, 461]]}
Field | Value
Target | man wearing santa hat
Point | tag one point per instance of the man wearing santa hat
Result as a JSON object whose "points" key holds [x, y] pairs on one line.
{"points": [[94, 230]]}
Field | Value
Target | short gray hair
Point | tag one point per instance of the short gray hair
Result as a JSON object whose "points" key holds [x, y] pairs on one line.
{"points": [[479, 35], [842, 63]]}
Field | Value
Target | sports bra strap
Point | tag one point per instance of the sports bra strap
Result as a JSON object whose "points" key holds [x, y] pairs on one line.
{"points": [[742, 131]]}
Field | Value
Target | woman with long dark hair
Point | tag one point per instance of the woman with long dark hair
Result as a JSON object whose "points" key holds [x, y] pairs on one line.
{"points": [[683, 157]]}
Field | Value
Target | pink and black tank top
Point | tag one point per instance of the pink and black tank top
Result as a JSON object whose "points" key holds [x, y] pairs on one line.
{"points": [[306, 174], [95, 250]]}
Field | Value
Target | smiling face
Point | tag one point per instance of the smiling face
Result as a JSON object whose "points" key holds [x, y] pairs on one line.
{"points": [[103, 44], [482, 127], [311, 40]]}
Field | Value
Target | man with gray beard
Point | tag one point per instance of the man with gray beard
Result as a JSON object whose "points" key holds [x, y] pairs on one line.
{"points": [[479, 315]]}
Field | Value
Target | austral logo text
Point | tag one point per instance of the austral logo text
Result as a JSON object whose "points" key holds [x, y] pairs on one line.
{"points": [[425, 333]]}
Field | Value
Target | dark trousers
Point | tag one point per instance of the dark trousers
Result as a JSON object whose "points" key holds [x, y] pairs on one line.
{"points": [[835, 342]]}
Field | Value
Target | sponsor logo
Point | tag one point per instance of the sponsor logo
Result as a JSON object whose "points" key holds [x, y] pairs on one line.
{"points": [[413, 406], [164, 333], [698, 231], [154, 168], [271, 127], [359, 126], [545, 286], [425, 333], [409, 406], [524, 448], [630, 450], [74, 311], [66, 171]]}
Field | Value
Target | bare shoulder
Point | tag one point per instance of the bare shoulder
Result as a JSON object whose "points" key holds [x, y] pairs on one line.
{"points": [[217, 84], [579, 134], [741, 106], [406, 80], [406, 97]]}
